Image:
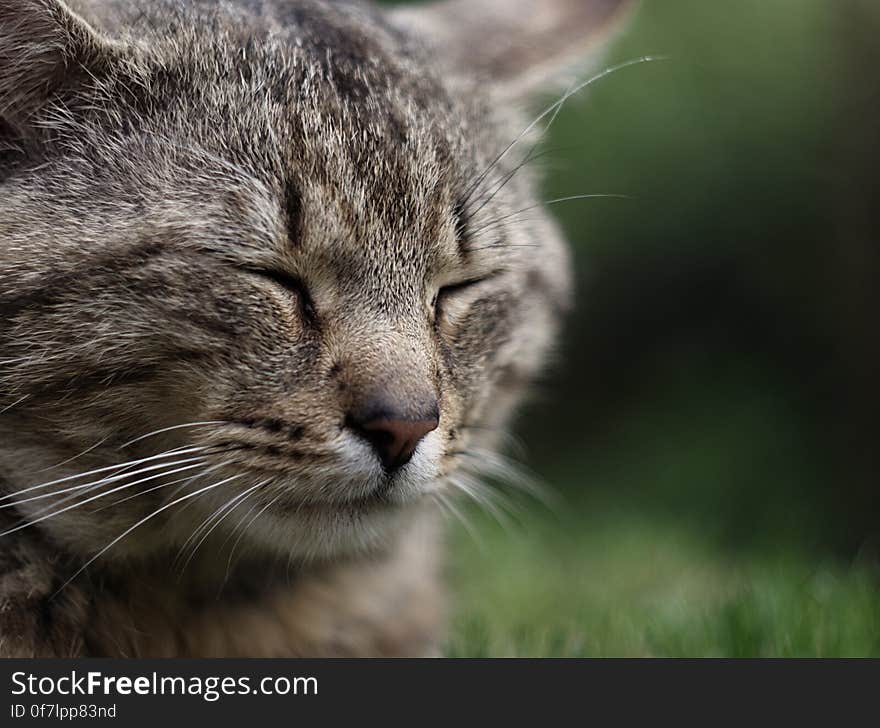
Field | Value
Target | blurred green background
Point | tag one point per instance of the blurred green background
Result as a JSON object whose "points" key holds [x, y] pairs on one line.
{"points": [[711, 424]]}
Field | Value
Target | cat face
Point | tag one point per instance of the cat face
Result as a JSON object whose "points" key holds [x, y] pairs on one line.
{"points": [[275, 269]]}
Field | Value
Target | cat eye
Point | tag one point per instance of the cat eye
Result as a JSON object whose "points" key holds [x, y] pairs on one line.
{"points": [[290, 283], [446, 293]]}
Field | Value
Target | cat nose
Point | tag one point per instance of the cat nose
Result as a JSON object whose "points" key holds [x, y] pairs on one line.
{"points": [[394, 435]]}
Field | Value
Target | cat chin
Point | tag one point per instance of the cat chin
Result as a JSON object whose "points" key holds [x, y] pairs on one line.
{"points": [[323, 531]]}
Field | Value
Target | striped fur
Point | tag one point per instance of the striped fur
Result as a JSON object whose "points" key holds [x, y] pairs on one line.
{"points": [[221, 224]]}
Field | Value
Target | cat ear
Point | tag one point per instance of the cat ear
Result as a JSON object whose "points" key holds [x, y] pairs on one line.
{"points": [[520, 46], [44, 46]]}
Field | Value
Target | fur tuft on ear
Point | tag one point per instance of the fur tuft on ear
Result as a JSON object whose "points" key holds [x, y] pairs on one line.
{"points": [[519, 46], [43, 44]]}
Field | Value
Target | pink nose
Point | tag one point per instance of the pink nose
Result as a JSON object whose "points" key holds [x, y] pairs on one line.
{"points": [[395, 439]]}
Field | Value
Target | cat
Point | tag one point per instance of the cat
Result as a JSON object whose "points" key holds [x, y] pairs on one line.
{"points": [[268, 295]]}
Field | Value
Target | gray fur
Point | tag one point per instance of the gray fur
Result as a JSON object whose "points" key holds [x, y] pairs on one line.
{"points": [[157, 161]]}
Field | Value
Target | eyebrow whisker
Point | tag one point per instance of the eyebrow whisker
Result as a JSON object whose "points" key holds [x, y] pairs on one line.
{"points": [[554, 109]]}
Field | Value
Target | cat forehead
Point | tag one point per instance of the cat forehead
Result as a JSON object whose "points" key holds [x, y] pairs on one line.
{"points": [[325, 169], [243, 130], [329, 64], [329, 99]]}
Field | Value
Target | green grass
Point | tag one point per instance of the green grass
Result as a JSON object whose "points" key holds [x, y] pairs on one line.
{"points": [[612, 587], [685, 528]]}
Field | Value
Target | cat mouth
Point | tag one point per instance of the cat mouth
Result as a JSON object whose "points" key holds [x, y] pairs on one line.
{"points": [[375, 497], [377, 501]]}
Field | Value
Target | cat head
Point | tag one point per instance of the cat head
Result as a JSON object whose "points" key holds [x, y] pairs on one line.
{"points": [[283, 264]]}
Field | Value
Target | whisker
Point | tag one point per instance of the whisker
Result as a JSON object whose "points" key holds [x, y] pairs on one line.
{"points": [[511, 440], [32, 522], [529, 158], [103, 481], [485, 498], [244, 531], [204, 524], [213, 468], [548, 203], [186, 479], [510, 472], [238, 500], [554, 108], [451, 509], [70, 460], [140, 523], [168, 453], [169, 429]]}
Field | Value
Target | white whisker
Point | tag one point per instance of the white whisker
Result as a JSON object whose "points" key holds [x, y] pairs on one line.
{"points": [[33, 522], [238, 500], [512, 474], [169, 453], [184, 480], [210, 518], [169, 429], [207, 471], [490, 500], [554, 109], [547, 203], [451, 509], [70, 460], [103, 481], [140, 523], [244, 531]]}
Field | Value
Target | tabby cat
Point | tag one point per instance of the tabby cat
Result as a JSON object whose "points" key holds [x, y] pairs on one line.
{"points": [[268, 293]]}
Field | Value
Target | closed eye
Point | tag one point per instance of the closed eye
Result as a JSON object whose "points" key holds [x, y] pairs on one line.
{"points": [[290, 283], [447, 293]]}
